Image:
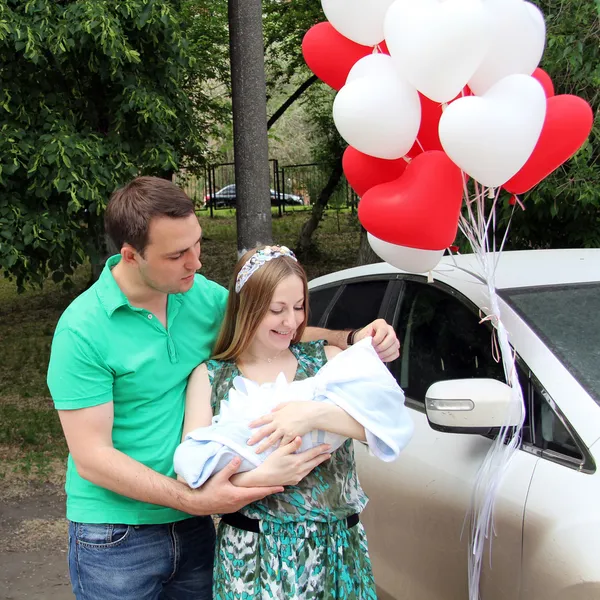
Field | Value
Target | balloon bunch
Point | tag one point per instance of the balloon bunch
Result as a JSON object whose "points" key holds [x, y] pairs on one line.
{"points": [[443, 105], [434, 93]]}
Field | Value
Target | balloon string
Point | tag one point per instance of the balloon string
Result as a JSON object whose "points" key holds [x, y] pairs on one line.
{"points": [[493, 319], [478, 225]]}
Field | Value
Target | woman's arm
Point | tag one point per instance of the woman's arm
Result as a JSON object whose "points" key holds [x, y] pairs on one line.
{"points": [[291, 419], [284, 466], [198, 412], [329, 417]]}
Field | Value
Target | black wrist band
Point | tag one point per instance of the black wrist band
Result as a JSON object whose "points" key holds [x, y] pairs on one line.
{"points": [[350, 338]]}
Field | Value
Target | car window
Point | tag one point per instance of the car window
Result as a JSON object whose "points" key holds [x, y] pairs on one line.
{"points": [[566, 318], [319, 301], [357, 305], [545, 428], [551, 432], [441, 338]]}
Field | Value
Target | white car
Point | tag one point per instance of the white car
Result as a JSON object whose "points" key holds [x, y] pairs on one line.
{"points": [[547, 517]]}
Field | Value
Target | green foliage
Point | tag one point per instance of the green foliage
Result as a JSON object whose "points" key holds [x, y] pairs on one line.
{"points": [[91, 94], [208, 81], [564, 209], [285, 24]]}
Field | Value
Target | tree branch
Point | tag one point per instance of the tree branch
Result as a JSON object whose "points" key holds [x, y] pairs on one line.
{"points": [[309, 226], [279, 112]]}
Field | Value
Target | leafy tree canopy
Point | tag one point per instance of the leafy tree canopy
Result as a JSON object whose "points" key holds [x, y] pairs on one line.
{"points": [[91, 94], [563, 211]]}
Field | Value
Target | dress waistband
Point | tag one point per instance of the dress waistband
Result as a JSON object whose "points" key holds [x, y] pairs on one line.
{"points": [[240, 521]]}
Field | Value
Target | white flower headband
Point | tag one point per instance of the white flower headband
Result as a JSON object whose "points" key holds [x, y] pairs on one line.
{"points": [[257, 260]]}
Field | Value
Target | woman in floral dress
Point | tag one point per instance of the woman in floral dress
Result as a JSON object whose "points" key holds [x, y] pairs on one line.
{"points": [[307, 541]]}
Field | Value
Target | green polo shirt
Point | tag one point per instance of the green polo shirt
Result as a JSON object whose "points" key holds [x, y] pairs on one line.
{"points": [[105, 349]]}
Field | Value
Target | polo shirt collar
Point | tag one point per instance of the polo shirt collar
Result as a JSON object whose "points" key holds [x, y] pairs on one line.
{"points": [[109, 293], [112, 297]]}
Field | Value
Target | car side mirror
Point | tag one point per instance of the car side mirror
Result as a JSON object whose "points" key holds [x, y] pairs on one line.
{"points": [[471, 406]]}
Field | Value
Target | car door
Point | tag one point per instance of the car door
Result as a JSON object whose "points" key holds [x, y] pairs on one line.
{"points": [[416, 518], [561, 546]]}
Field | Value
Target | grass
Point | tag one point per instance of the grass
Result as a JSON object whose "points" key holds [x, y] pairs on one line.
{"points": [[31, 440], [335, 241]]}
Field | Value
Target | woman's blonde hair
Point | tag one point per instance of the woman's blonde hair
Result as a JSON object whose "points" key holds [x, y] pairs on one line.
{"points": [[246, 309]]}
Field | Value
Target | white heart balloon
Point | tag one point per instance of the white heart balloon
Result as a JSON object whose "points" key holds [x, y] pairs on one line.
{"points": [[359, 20], [376, 65], [412, 260], [377, 111], [490, 137], [516, 43], [437, 45]]}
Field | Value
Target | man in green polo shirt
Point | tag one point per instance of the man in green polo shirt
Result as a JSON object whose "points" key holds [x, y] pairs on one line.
{"points": [[121, 356]]}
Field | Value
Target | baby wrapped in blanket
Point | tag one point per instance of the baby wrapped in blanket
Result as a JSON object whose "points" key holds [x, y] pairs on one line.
{"points": [[355, 380]]}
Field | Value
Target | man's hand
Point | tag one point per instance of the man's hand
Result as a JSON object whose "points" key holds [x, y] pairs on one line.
{"points": [[385, 342], [220, 496]]}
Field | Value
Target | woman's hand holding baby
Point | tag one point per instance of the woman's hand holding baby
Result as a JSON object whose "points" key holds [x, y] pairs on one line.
{"points": [[285, 466], [287, 421]]}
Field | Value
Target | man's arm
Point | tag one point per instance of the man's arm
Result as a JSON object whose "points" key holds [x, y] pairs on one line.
{"points": [[81, 385], [385, 342], [89, 436], [332, 337]]}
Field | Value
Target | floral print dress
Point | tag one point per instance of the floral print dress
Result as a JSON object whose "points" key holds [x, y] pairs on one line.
{"points": [[304, 548]]}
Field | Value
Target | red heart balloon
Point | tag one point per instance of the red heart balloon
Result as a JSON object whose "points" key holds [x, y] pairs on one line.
{"points": [[364, 172], [330, 55], [568, 123], [421, 208], [428, 137], [545, 80]]}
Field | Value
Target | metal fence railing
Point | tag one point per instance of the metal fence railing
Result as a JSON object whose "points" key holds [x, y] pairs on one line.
{"points": [[293, 187]]}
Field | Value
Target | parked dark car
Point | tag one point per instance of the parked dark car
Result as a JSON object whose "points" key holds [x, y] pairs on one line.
{"points": [[227, 197]]}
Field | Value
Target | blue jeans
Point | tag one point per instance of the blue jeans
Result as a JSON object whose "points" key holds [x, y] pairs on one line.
{"points": [[142, 562]]}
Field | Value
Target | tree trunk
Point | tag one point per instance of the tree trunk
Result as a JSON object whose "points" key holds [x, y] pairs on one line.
{"points": [[250, 142], [366, 256], [99, 246], [309, 227]]}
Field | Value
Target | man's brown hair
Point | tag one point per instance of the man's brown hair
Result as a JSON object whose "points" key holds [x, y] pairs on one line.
{"points": [[132, 207]]}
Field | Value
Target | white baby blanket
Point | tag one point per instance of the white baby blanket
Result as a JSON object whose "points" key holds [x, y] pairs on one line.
{"points": [[355, 380]]}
